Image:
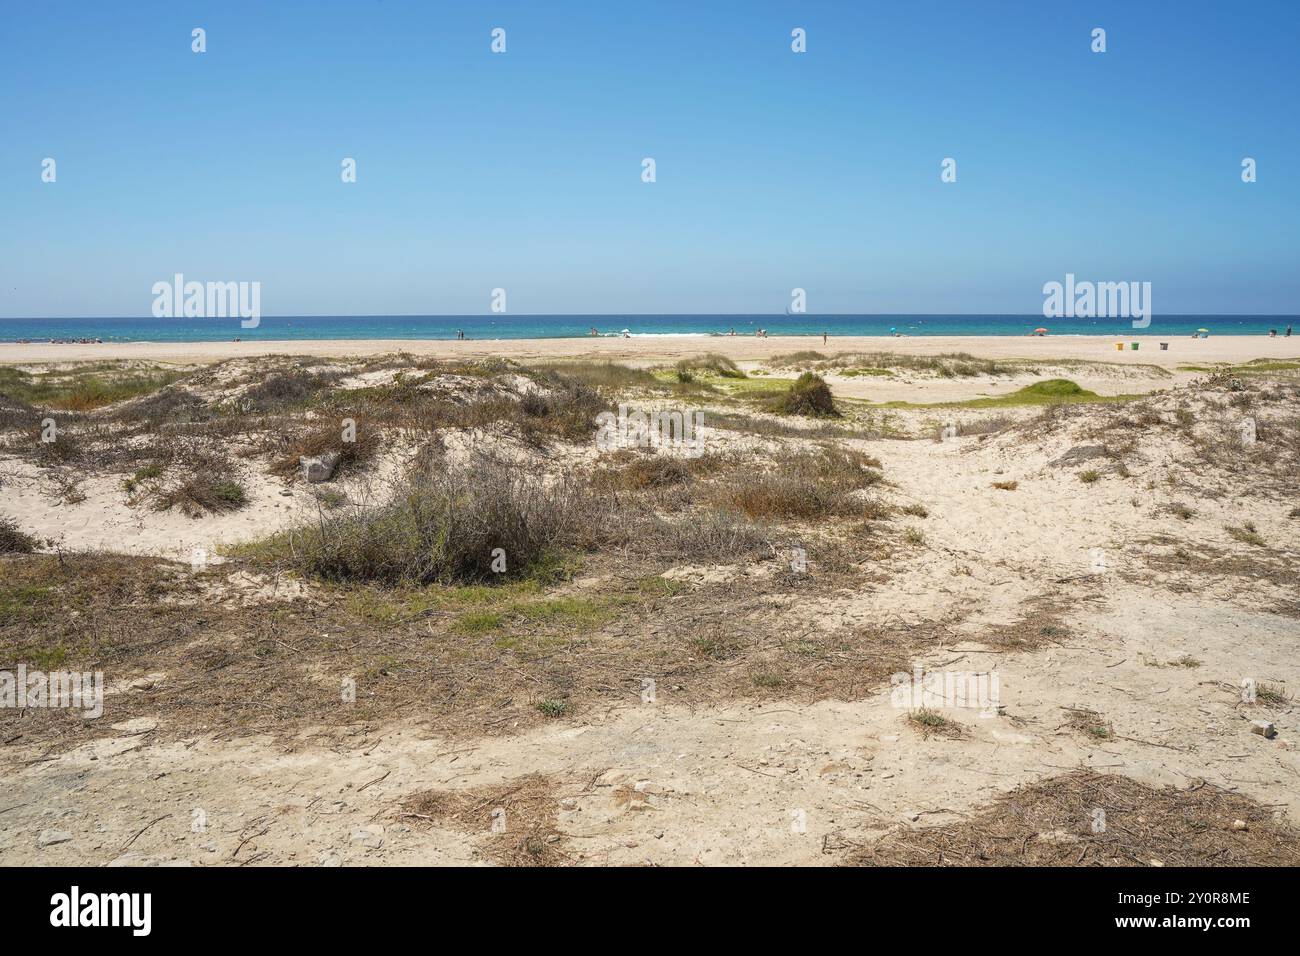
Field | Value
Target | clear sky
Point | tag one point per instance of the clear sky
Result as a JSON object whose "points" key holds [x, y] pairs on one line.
{"points": [[774, 170]]}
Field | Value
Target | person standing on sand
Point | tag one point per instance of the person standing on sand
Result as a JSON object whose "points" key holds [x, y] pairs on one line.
{"points": [[823, 338], [1288, 331]]}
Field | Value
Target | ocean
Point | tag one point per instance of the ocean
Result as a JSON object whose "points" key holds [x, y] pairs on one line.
{"points": [[119, 329]]}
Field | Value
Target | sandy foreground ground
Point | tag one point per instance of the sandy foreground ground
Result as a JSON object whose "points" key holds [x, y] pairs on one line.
{"points": [[647, 350], [1160, 654]]}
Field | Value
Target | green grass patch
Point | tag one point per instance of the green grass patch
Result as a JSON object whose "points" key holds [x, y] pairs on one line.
{"points": [[81, 389], [1051, 391], [24, 603]]}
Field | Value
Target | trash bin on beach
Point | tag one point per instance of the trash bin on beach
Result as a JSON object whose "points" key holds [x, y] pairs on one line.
{"points": [[1119, 346], [1134, 346], [1164, 346]]}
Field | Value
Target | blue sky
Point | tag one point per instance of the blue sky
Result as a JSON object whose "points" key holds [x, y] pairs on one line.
{"points": [[523, 170]]}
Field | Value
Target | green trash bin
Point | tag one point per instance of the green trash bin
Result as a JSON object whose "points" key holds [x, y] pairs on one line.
{"points": [[1134, 346]]}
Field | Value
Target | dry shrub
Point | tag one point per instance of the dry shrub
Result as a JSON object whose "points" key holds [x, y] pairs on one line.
{"points": [[706, 536], [66, 447], [321, 438], [12, 538], [209, 484], [808, 395], [444, 528], [566, 408], [560, 408], [804, 486], [170, 406], [283, 390], [642, 472], [1051, 823]]}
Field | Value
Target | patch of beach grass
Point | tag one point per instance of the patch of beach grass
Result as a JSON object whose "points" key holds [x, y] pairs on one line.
{"points": [[82, 388], [1052, 391]]}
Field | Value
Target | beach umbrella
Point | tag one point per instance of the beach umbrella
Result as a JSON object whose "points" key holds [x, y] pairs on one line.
{"points": [[1040, 330], [893, 328], [1202, 330]]}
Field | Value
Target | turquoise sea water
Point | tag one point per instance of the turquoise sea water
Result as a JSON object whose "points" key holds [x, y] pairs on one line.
{"points": [[571, 326]]}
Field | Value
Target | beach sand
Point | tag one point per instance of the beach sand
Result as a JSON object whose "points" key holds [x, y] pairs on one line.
{"points": [[1240, 348]]}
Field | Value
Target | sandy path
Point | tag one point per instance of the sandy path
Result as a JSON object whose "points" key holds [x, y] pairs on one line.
{"points": [[1097, 348]]}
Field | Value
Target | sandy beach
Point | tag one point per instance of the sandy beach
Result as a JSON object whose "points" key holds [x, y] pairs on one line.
{"points": [[655, 349]]}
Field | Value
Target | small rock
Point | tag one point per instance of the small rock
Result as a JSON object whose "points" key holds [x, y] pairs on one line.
{"points": [[321, 468], [1264, 728], [51, 837], [1239, 825]]}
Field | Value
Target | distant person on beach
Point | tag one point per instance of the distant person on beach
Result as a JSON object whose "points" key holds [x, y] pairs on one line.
{"points": [[1288, 331], [823, 338]]}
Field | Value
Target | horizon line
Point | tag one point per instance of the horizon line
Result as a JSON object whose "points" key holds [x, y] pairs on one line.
{"points": [[528, 315]]}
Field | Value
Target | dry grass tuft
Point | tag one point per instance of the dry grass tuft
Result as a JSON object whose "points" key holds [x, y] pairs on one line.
{"points": [[1040, 625], [1090, 723], [805, 486], [516, 819], [930, 723], [1092, 819]]}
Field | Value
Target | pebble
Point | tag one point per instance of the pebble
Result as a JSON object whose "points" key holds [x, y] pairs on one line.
{"points": [[1264, 728], [51, 837]]}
